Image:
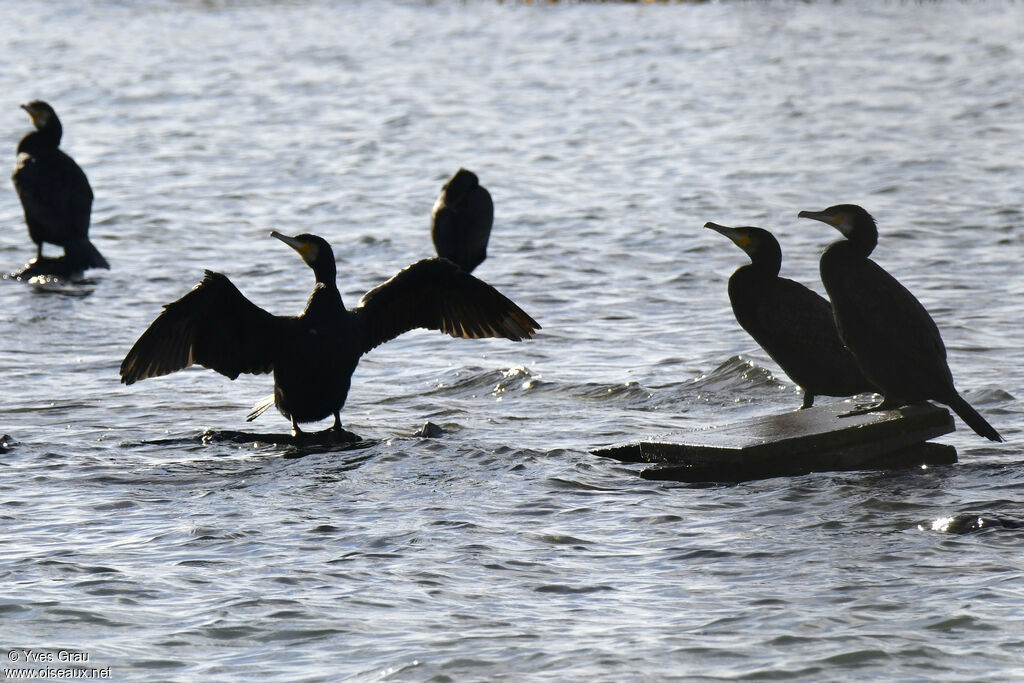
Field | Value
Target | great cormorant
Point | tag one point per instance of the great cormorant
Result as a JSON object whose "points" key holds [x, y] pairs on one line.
{"points": [[313, 355], [54, 193], [460, 223], [793, 324], [895, 341]]}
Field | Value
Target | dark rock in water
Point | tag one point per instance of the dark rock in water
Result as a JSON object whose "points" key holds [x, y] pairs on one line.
{"points": [[965, 524], [45, 267], [429, 430]]}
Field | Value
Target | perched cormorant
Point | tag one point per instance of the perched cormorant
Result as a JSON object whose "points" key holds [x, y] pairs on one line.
{"points": [[54, 193], [895, 341], [314, 354], [460, 223], [793, 324]]}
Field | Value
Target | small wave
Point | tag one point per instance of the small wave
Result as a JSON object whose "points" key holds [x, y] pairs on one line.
{"points": [[12, 608], [856, 658], [631, 391], [518, 379], [468, 381], [240, 633], [960, 623], [555, 539], [990, 396], [702, 554], [562, 589], [736, 373]]}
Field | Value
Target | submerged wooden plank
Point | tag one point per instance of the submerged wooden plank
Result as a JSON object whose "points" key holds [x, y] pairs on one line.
{"points": [[925, 454], [814, 440]]}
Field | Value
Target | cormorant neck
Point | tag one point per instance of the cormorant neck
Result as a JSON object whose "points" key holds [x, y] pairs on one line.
{"points": [[324, 300], [42, 140], [326, 273], [862, 232], [863, 240], [767, 260]]}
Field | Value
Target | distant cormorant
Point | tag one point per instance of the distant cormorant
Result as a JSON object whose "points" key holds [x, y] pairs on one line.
{"points": [[314, 354], [54, 193], [793, 324], [895, 341], [460, 223]]}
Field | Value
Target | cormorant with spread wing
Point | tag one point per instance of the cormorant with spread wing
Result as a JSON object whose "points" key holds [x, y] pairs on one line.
{"points": [[461, 221], [793, 324], [892, 336], [314, 354], [55, 195]]}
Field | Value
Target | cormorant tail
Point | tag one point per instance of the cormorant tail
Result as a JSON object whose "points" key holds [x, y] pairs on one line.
{"points": [[82, 254], [972, 418], [260, 407]]}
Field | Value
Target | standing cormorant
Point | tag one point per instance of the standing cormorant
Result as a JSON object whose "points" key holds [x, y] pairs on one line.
{"points": [[793, 324], [895, 341], [54, 193], [314, 354], [460, 223]]}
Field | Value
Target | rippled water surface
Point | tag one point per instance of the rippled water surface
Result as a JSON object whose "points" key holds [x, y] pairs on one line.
{"points": [[608, 135]]}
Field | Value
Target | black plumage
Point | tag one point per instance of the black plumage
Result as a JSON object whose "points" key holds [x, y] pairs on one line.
{"points": [[314, 354], [461, 221], [55, 194], [892, 336], [793, 324]]}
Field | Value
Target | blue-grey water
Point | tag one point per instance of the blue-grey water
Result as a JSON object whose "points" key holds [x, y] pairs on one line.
{"points": [[607, 135]]}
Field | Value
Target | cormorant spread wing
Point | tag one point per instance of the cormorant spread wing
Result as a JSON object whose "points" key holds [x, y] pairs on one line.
{"points": [[436, 294], [213, 325]]}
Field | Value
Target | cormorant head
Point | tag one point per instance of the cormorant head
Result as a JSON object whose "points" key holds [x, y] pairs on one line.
{"points": [[759, 244], [458, 186], [42, 113], [851, 220], [315, 251]]}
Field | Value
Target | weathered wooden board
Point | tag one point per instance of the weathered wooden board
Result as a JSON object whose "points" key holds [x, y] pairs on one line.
{"points": [[819, 439], [325, 437]]}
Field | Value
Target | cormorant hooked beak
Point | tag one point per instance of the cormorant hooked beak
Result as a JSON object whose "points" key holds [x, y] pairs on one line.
{"points": [[823, 216], [38, 116], [838, 220], [738, 235], [306, 249]]}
